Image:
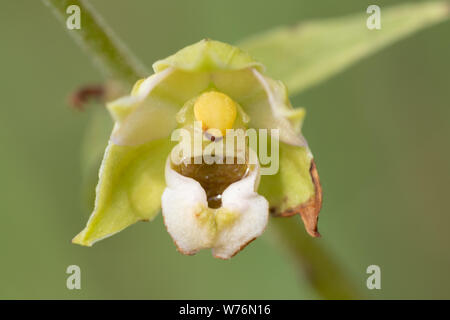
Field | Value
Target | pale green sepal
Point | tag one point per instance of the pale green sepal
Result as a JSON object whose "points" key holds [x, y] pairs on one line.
{"points": [[148, 114], [207, 56], [129, 190], [292, 185], [150, 111], [296, 117], [96, 137], [122, 107]]}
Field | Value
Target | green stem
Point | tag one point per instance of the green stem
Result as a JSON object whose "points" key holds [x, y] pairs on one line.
{"points": [[110, 55], [117, 62], [317, 265]]}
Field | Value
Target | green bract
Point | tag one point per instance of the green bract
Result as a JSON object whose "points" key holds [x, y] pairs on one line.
{"points": [[131, 179]]}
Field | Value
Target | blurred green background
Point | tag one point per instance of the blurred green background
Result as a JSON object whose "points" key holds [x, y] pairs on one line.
{"points": [[379, 131]]}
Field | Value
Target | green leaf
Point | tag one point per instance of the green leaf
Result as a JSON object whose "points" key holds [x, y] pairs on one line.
{"points": [[313, 51], [129, 190]]}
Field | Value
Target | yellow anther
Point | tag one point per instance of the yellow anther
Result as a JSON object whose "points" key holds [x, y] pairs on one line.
{"points": [[216, 111]]}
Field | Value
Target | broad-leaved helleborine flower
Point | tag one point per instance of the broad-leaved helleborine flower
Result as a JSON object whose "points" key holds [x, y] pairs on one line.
{"points": [[207, 89]]}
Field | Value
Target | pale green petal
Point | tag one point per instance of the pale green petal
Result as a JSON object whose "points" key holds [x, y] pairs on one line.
{"points": [[282, 116], [150, 111], [122, 107], [264, 100], [311, 52], [235, 73], [208, 55], [129, 190]]}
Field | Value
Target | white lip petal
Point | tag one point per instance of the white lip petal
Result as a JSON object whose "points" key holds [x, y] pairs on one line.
{"points": [[193, 226], [241, 197], [182, 200]]}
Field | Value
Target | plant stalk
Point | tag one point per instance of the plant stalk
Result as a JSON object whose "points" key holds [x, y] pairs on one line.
{"points": [[110, 55]]}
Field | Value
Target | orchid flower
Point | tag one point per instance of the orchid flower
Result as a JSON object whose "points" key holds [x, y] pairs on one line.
{"points": [[217, 206]]}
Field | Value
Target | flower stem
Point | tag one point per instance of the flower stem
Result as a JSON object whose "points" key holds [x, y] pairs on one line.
{"points": [[116, 62], [110, 55], [315, 264]]}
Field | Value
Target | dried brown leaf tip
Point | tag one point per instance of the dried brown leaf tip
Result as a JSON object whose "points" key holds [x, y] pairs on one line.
{"points": [[83, 95], [309, 211]]}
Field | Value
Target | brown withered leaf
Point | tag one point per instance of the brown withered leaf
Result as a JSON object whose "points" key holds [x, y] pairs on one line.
{"points": [[85, 94], [99, 93]]}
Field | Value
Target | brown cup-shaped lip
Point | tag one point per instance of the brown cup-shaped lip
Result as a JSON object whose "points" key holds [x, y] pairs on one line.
{"points": [[214, 178]]}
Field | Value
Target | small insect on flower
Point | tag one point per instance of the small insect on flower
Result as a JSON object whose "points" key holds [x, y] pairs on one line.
{"points": [[173, 147]]}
